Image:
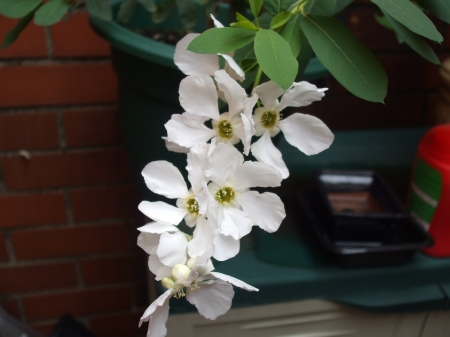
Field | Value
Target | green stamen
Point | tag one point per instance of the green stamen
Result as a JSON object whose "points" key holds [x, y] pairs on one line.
{"points": [[225, 195], [225, 129], [269, 119]]}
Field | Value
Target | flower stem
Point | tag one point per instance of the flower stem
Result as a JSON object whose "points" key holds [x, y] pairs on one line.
{"points": [[257, 78]]}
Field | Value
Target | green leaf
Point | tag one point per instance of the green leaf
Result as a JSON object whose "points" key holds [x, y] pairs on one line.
{"points": [[17, 8], [340, 5], [249, 65], [303, 57], [411, 17], [280, 20], [255, 6], [100, 9], [275, 58], [292, 33], [244, 24], [273, 7], [51, 12], [14, 33], [264, 20], [163, 11], [383, 21], [188, 13], [352, 64], [245, 52], [414, 41], [221, 40], [439, 8], [126, 11], [149, 5], [320, 7]]}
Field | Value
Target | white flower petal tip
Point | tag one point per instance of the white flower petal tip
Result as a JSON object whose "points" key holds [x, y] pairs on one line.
{"points": [[158, 228], [174, 147], [307, 133], [217, 23], [161, 212], [234, 281], [268, 93], [187, 130], [198, 96], [226, 247], [301, 94], [163, 178], [233, 69], [235, 95], [255, 174], [264, 151], [157, 314]]}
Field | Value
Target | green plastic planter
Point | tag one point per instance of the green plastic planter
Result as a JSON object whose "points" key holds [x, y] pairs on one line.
{"points": [[148, 86]]}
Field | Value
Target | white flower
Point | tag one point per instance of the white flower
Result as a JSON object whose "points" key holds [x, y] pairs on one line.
{"points": [[307, 133], [238, 208], [209, 291], [199, 98]]}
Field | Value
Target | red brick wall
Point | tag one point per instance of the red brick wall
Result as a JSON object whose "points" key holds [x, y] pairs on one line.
{"points": [[68, 212]]}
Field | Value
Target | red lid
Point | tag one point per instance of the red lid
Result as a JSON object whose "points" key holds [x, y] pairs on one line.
{"points": [[436, 144]]}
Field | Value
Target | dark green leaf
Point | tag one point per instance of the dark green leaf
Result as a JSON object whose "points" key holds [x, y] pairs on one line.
{"points": [[187, 11], [14, 33], [246, 52], [17, 8], [265, 20], [249, 65], [149, 5], [100, 9], [352, 64], [51, 12], [221, 40], [340, 5], [275, 58], [244, 24], [255, 6], [414, 41], [383, 21], [304, 57], [411, 17], [440, 8], [280, 20], [320, 7], [163, 11], [126, 11], [292, 33], [240, 17], [273, 7]]}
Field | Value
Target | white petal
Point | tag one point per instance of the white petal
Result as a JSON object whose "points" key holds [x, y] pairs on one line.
{"points": [[157, 324], [203, 238], [268, 93], [267, 208], [217, 23], [157, 268], [232, 68], [195, 166], [158, 228], [264, 150], [174, 147], [172, 248], [203, 199], [234, 93], [162, 177], [212, 299], [235, 223], [255, 174], [198, 96], [159, 302], [162, 212], [301, 94], [307, 133], [222, 163], [192, 63], [226, 247], [187, 131], [148, 242], [234, 281]]}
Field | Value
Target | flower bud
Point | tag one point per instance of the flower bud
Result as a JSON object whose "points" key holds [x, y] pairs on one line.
{"points": [[168, 283], [180, 272], [190, 263]]}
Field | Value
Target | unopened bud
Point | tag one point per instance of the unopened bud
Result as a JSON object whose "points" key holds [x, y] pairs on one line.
{"points": [[190, 263], [180, 272], [168, 283]]}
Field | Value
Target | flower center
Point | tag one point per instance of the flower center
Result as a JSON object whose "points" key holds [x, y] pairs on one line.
{"points": [[269, 119], [225, 129], [192, 206], [225, 195]]}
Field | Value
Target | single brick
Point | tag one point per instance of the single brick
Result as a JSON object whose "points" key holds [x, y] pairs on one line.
{"points": [[74, 38], [37, 277], [4, 256], [11, 306], [30, 44], [92, 127], [105, 202], [65, 170], [344, 112], [32, 209], [34, 244], [107, 270], [28, 131], [125, 325], [57, 84], [84, 302]]}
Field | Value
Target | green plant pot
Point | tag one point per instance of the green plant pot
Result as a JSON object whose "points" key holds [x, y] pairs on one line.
{"points": [[148, 86]]}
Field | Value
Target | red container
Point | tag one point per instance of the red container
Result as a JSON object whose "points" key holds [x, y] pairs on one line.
{"points": [[429, 197]]}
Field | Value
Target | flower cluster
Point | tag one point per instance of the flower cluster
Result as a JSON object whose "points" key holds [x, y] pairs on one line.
{"points": [[220, 204]]}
